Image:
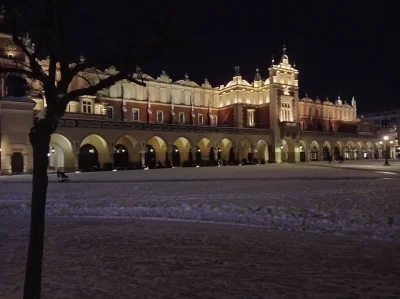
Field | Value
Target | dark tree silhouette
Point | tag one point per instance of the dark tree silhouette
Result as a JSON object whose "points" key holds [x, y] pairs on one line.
{"points": [[55, 77]]}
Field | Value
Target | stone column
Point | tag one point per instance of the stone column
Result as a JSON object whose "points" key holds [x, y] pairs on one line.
{"points": [[76, 160], [307, 153], [111, 155], [143, 157], [194, 152], [27, 167], [215, 153], [170, 148], [236, 153]]}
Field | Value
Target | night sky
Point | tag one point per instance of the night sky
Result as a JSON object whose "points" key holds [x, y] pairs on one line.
{"points": [[339, 48]]}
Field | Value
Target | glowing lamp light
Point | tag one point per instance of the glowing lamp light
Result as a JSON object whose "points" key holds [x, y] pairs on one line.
{"points": [[48, 155], [176, 150], [151, 150], [386, 138], [123, 150], [91, 151], [380, 142], [391, 141], [53, 150], [301, 147], [198, 150], [114, 170], [219, 150]]}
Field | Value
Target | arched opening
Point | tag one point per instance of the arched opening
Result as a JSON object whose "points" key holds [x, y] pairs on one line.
{"points": [[224, 150], [17, 163], [211, 155], [150, 158], [284, 151], [156, 153], [231, 159], [121, 156], [346, 152], [93, 153], [302, 149], [88, 158], [61, 155], [336, 153], [198, 156], [176, 156], [245, 151], [262, 151], [181, 150], [129, 158], [314, 153], [205, 151], [325, 153]]}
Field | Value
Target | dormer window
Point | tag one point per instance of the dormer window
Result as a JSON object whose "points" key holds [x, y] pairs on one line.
{"points": [[87, 107]]}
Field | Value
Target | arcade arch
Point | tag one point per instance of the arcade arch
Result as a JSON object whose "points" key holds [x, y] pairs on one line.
{"points": [[262, 150], [206, 150], [61, 155], [181, 151], [126, 151], [156, 151], [93, 152], [245, 150], [226, 150]]}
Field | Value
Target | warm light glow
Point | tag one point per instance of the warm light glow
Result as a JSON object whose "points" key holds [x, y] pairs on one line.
{"points": [[176, 150], [151, 150], [385, 138], [91, 151], [53, 150], [198, 150], [391, 141], [48, 154], [380, 142]]}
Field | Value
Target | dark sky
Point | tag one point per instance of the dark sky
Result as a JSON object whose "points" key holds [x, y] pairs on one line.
{"points": [[340, 48]]}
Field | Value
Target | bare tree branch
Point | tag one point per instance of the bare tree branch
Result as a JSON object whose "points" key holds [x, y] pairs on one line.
{"points": [[16, 70]]}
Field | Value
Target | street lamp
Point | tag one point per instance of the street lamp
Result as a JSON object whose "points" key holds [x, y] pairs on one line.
{"points": [[386, 138]]}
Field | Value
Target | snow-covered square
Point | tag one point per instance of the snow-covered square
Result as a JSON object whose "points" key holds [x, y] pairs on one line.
{"points": [[255, 221]]}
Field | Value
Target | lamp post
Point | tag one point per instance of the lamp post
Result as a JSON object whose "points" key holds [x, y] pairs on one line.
{"points": [[386, 138]]}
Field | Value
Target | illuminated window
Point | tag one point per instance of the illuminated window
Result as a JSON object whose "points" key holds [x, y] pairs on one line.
{"points": [[286, 112], [250, 117], [87, 107]]}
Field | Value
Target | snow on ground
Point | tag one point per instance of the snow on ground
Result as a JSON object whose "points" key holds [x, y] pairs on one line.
{"points": [[121, 258], [279, 197], [375, 165]]}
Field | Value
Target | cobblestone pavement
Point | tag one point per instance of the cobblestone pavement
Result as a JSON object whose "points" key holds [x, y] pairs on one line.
{"points": [[123, 258]]}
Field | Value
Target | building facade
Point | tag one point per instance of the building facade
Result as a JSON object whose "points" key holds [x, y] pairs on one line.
{"points": [[389, 119], [178, 121]]}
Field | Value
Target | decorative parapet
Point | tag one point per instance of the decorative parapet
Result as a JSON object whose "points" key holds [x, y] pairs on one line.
{"points": [[338, 134], [113, 125]]}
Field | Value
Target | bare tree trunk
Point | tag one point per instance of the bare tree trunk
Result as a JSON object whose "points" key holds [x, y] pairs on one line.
{"points": [[40, 140]]}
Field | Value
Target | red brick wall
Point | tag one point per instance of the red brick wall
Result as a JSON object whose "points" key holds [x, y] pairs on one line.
{"points": [[166, 109], [225, 116], [262, 117]]}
